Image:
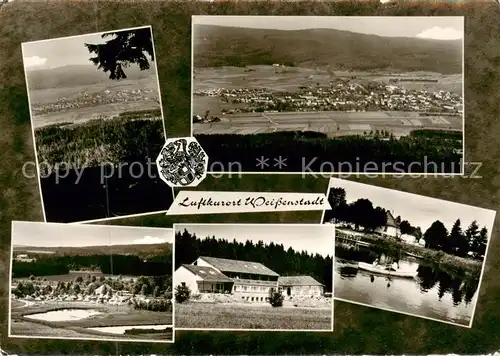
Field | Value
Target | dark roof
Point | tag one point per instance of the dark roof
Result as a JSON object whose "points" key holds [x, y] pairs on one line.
{"points": [[207, 273], [298, 281], [236, 266]]}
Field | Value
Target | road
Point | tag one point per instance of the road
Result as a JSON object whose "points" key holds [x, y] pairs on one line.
{"points": [[332, 123]]}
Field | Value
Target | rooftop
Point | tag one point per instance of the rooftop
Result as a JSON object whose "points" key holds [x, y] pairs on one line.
{"points": [[207, 273], [236, 266], [298, 281]]}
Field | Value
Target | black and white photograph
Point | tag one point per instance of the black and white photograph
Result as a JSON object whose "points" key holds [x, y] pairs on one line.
{"points": [[254, 277], [103, 283], [329, 94], [408, 253], [98, 127]]}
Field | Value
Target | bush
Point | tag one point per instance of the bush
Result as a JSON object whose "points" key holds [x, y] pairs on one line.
{"points": [[182, 293], [276, 298]]}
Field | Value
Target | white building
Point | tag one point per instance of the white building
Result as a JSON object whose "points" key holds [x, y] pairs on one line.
{"points": [[391, 228], [300, 286], [251, 281]]}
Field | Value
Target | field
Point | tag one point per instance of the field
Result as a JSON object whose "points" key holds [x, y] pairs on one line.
{"points": [[288, 79], [83, 114], [331, 123], [114, 315], [234, 316]]}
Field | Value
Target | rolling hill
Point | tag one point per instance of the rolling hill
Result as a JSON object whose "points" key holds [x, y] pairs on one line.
{"points": [[216, 46], [81, 75], [144, 249]]}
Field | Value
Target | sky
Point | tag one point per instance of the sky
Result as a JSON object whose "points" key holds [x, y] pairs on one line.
{"points": [[59, 52], [310, 238], [77, 235], [419, 210], [433, 27]]}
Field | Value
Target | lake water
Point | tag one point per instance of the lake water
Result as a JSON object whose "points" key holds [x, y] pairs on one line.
{"points": [[432, 294], [64, 315], [120, 330]]}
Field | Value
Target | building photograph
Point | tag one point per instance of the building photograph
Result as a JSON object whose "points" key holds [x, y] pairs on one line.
{"points": [[253, 276], [408, 253]]}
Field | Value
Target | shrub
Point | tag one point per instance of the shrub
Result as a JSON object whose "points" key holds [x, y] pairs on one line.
{"points": [[182, 293], [276, 298]]}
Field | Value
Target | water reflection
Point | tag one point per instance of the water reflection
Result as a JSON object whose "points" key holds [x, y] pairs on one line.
{"points": [[433, 293]]}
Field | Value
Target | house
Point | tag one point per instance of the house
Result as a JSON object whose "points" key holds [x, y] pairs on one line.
{"points": [[391, 227], [24, 258], [300, 286], [202, 279], [251, 281]]}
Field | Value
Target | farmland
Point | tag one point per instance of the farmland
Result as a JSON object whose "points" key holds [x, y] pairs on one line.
{"points": [[333, 123], [332, 117], [237, 316]]}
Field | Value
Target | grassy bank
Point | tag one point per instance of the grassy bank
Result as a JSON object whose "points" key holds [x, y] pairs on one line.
{"points": [[231, 316], [449, 263]]}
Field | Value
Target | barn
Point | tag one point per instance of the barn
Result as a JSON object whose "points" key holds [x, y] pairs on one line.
{"points": [[300, 286]]}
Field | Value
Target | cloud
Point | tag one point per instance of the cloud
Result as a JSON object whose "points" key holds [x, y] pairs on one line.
{"points": [[147, 240], [439, 33], [34, 61]]}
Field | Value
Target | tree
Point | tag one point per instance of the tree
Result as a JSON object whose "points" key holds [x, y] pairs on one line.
{"points": [[405, 227], [337, 201], [156, 292], [276, 298], [125, 48], [472, 235], [457, 243], [436, 236], [76, 288], [479, 247], [182, 293]]}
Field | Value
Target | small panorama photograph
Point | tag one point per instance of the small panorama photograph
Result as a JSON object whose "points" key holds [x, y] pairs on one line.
{"points": [[270, 277], [329, 94], [408, 253], [102, 283], [97, 123]]}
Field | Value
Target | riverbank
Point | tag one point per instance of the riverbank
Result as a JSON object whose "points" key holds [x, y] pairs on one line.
{"points": [[449, 263]]}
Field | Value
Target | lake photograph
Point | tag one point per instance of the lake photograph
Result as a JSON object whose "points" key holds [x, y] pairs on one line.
{"points": [[91, 282], [408, 253]]}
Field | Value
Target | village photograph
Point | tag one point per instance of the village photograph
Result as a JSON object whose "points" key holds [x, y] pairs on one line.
{"points": [[268, 277], [329, 94], [408, 253], [91, 282], [96, 114]]}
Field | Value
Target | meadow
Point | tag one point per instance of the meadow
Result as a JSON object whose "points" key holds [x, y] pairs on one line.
{"points": [[113, 315], [290, 78], [234, 316]]}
